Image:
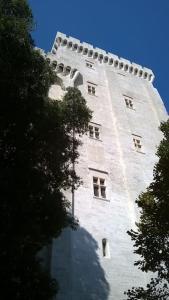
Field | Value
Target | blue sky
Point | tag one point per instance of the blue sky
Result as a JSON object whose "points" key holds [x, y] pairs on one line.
{"points": [[137, 30]]}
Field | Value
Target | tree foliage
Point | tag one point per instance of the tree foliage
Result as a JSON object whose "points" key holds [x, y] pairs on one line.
{"points": [[151, 239], [35, 156]]}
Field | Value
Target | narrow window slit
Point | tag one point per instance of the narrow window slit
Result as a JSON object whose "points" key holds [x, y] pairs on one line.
{"points": [[105, 248]]}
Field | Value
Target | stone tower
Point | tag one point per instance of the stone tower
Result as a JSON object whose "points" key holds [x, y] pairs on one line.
{"points": [[116, 164]]}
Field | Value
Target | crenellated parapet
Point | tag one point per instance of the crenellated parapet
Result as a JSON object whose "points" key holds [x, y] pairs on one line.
{"points": [[101, 56], [66, 73]]}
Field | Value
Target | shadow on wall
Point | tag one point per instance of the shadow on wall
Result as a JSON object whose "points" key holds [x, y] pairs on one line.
{"points": [[88, 280], [79, 81]]}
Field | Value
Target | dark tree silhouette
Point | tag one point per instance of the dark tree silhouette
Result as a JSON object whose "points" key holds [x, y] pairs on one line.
{"points": [[35, 156]]}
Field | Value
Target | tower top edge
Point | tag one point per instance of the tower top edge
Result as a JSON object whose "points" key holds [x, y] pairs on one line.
{"points": [[101, 51]]}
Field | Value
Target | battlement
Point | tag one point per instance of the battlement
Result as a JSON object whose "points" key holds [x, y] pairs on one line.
{"points": [[102, 56]]}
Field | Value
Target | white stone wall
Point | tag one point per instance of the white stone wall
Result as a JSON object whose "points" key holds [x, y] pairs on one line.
{"points": [[77, 257]]}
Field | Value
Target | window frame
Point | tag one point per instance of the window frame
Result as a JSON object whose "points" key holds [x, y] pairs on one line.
{"points": [[99, 187], [129, 102], [105, 248], [94, 131], [91, 88], [137, 142]]}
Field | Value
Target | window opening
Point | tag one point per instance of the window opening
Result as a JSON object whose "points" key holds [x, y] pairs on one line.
{"points": [[91, 132], [126, 68], [90, 53], [91, 89], [103, 191], [137, 143], [95, 187], [129, 103], [100, 57], [131, 69], [54, 64], [94, 132], [60, 68], [97, 134], [99, 187], [105, 248], [85, 51]]}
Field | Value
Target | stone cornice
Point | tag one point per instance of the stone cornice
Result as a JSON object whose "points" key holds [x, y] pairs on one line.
{"points": [[102, 56]]}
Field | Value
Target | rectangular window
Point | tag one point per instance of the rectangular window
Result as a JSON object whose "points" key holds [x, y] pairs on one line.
{"points": [[94, 131], [89, 65], [96, 190], [103, 191], [137, 143], [97, 132], [128, 101], [91, 132], [99, 188], [91, 88]]}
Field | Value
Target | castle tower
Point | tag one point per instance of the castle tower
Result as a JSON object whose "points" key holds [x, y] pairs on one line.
{"points": [[116, 164]]}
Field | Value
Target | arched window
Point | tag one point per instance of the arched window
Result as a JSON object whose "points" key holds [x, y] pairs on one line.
{"points": [[116, 63], [126, 67], [140, 73], [85, 51], [100, 57], [70, 45], [59, 40], [60, 68], [121, 66], [131, 69], [54, 64], [145, 75], [80, 49], [110, 61], [75, 46], [135, 71], [67, 71], [95, 55], [105, 59], [64, 43], [90, 53]]}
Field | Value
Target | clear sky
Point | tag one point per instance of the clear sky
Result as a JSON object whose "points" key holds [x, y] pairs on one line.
{"points": [[137, 30]]}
